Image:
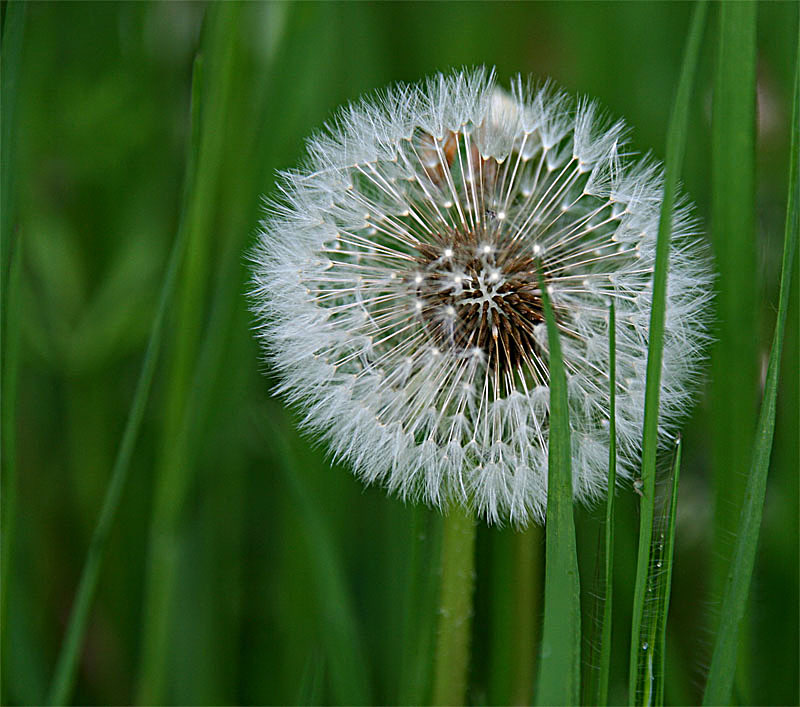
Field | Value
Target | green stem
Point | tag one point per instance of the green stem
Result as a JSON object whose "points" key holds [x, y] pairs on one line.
{"points": [[527, 611], [455, 608]]}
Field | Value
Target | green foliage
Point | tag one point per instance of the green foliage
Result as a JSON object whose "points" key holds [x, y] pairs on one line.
{"points": [[285, 581]]}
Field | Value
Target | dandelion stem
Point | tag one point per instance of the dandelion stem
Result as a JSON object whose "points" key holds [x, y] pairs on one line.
{"points": [[527, 610], [455, 608]]}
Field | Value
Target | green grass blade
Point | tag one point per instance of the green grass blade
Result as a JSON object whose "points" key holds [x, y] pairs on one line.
{"points": [[734, 362], [9, 373], [67, 664], [676, 143], [455, 608], [663, 570], [10, 274], [601, 698], [650, 679], [13, 34], [737, 585], [559, 668]]}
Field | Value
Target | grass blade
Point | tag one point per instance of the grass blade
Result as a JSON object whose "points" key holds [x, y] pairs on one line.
{"points": [[650, 678], [737, 585], [664, 563], [67, 664], [676, 143], [10, 273], [601, 698], [559, 669], [735, 356]]}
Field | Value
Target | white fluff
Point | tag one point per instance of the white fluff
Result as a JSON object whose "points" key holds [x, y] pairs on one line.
{"points": [[377, 363]]}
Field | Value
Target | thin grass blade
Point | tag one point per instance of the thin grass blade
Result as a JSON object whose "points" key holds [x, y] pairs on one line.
{"points": [[559, 669], [737, 585], [10, 274], [601, 697], [663, 568], [676, 143], [650, 685]]}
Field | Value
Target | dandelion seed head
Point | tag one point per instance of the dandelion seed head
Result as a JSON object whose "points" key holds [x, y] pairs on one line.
{"points": [[397, 290]]}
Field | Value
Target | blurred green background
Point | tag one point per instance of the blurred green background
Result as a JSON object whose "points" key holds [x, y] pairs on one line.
{"points": [[291, 580]]}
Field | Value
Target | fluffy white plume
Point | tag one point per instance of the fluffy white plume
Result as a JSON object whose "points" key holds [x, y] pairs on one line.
{"points": [[397, 295]]}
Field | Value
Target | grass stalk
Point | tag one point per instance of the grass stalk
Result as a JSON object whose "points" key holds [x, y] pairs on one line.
{"points": [[735, 356], [664, 573], [676, 143], [10, 276], [601, 697], [10, 377], [559, 680], [737, 584], [10, 272], [455, 608]]}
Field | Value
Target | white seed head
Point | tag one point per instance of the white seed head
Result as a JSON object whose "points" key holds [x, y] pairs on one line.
{"points": [[396, 287]]}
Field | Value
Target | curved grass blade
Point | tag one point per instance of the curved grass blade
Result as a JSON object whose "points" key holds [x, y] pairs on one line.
{"points": [[737, 587], [66, 667], [559, 669], [676, 143]]}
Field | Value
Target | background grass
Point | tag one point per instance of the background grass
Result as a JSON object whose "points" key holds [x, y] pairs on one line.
{"points": [[291, 582]]}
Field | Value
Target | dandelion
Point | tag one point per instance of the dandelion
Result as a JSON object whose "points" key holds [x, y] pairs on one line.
{"points": [[397, 290]]}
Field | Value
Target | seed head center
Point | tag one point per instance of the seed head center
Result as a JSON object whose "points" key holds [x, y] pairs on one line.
{"points": [[479, 295]]}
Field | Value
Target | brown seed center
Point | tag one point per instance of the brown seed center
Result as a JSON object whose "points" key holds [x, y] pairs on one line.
{"points": [[481, 292]]}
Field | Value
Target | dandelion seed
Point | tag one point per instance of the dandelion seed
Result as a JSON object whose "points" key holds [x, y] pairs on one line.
{"points": [[441, 392]]}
